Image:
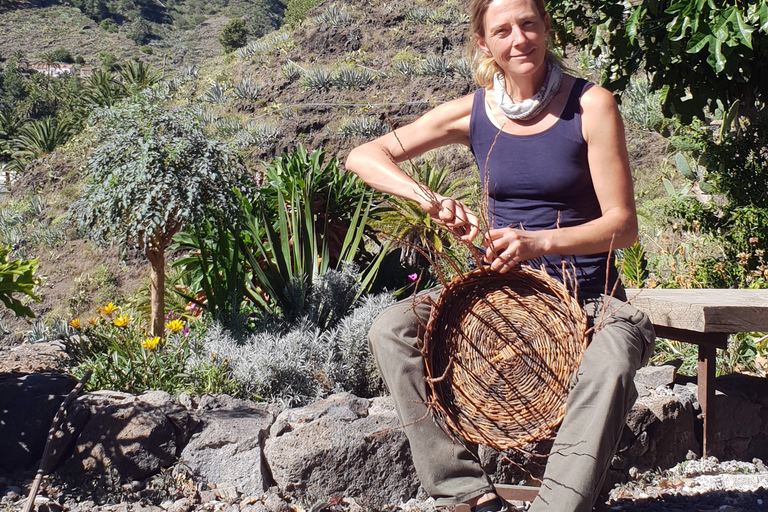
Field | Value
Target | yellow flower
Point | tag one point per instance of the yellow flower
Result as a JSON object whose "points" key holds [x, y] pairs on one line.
{"points": [[75, 323], [151, 343], [94, 320], [122, 320], [175, 325], [109, 308]]}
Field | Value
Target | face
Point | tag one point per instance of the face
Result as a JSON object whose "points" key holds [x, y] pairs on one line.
{"points": [[515, 35]]}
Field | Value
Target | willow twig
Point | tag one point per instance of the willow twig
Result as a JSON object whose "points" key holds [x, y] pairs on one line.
{"points": [[49, 442]]}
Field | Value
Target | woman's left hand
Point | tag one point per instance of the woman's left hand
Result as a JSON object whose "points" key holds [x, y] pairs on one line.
{"points": [[507, 247]]}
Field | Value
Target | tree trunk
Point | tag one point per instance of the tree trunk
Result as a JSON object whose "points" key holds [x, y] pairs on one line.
{"points": [[156, 259]]}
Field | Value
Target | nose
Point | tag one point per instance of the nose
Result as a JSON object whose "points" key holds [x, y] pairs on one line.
{"points": [[518, 36]]}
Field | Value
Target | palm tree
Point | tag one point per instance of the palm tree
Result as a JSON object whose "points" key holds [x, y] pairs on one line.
{"points": [[103, 90], [38, 138], [139, 75], [10, 124]]}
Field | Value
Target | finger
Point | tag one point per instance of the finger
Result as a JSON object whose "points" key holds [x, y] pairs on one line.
{"points": [[447, 211]]}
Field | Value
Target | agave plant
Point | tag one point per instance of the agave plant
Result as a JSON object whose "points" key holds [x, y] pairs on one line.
{"points": [[352, 78], [317, 79], [291, 71], [406, 68], [434, 65], [365, 127], [246, 90], [216, 94], [420, 15], [333, 16]]}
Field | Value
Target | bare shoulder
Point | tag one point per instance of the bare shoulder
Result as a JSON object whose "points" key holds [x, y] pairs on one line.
{"points": [[454, 111], [447, 123], [597, 99]]}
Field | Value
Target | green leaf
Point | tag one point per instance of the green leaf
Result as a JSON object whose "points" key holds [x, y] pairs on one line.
{"points": [[729, 119], [744, 29], [682, 165], [670, 188], [634, 265], [632, 25], [698, 41]]}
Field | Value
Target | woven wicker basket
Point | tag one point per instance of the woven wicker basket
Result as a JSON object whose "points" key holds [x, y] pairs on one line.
{"points": [[500, 351]]}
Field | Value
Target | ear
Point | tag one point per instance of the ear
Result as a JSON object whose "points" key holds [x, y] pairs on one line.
{"points": [[547, 23], [481, 44]]}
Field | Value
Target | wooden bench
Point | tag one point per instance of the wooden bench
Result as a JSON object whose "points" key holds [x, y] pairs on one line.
{"points": [[703, 317]]}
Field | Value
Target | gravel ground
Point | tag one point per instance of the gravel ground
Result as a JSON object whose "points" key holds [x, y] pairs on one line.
{"points": [[705, 485], [701, 485]]}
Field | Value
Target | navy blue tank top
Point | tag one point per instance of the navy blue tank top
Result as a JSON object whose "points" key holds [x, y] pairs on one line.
{"points": [[542, 181]]}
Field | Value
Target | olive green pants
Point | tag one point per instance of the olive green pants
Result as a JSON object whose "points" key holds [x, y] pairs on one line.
{"points": [[602, 394]]}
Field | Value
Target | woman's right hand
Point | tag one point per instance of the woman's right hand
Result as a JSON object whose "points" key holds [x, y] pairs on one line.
{"points": [[455, 216]]}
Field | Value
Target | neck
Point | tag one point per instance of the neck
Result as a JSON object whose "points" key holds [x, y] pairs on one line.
{"points": [[522, 88]]}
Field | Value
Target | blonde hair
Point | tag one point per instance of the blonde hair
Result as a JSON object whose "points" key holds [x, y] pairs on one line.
{"points": [[485, 67]]}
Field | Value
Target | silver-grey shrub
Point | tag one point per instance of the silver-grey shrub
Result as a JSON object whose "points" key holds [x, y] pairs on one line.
{"points": [[216, 94], [304, 363]]}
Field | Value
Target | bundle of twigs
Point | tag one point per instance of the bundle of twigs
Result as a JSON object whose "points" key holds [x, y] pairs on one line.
{"points": [[500, 351]]}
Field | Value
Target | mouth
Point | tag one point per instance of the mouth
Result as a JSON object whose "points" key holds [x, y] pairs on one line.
{"points": [[522, 55]]}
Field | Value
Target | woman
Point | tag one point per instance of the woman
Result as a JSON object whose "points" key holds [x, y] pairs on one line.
{"points": [[551, 150]]}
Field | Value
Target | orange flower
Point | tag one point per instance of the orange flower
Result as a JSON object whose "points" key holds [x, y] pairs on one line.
{"points": [[75, 323]]}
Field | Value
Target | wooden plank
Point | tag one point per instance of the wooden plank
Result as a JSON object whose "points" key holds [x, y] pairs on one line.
{"points": [[704, 310], [509, 493]]}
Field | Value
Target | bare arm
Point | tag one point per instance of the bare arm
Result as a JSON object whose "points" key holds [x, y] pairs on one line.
{"points": [[376, 162], [609, 167]]}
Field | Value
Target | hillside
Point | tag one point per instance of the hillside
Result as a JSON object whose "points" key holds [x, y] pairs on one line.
{"points": [[347, 73]]}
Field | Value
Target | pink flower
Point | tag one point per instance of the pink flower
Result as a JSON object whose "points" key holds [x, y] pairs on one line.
{"points": [[413, 277]]}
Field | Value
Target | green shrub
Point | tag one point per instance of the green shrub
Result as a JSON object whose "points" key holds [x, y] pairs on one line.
{"points": [[108, 25], [296, 11], [307, 219], [146, 49], [62, 55], [233, 36], [17, 278]]}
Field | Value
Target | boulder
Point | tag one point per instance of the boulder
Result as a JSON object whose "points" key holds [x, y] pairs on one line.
{"points": [[227, 449], [28, 404], [741, 418], [134, 436], [660, 430], [343, 446], [649, 378]]}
